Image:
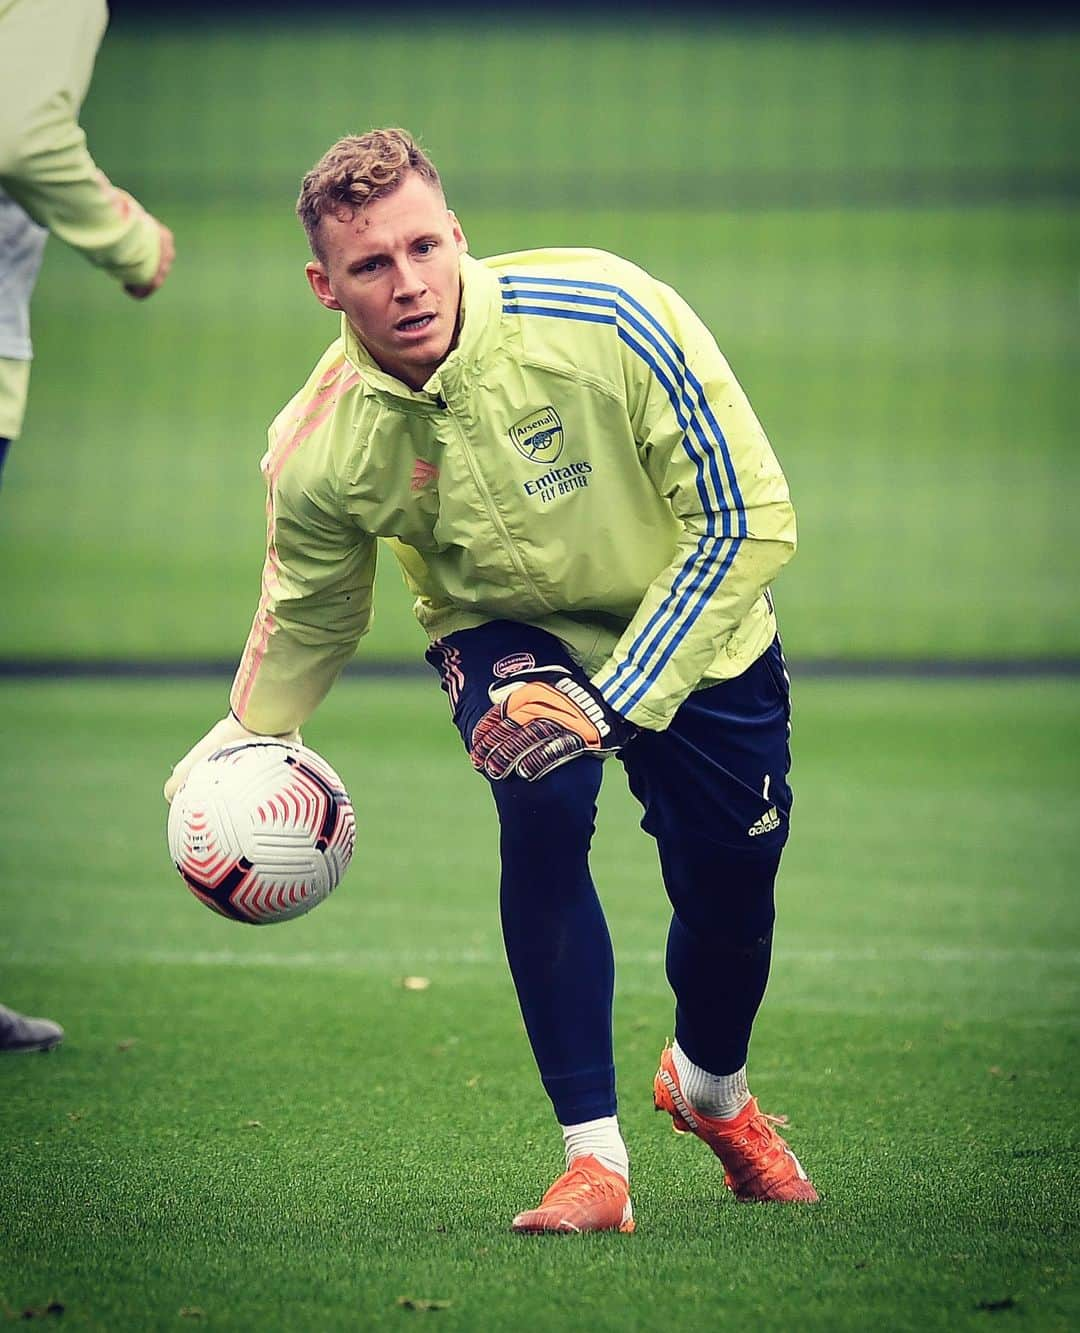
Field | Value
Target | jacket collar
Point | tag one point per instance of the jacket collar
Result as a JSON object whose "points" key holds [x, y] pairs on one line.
{"points": [[478, 334]]}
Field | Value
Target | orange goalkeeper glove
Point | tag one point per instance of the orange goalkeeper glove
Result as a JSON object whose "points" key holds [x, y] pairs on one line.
{"points": [[542, 718]]}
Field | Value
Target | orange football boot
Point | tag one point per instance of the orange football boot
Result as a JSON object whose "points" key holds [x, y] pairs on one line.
{"points": [[589, 1197], [759, 1167]]}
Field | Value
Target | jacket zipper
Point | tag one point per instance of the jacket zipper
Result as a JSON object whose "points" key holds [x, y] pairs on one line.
{"points": [[489, 503]]}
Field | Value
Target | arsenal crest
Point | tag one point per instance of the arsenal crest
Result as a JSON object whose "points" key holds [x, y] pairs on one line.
{"points": [[539, 436]]}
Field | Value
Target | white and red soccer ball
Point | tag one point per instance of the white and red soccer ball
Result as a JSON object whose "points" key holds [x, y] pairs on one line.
{"points": [[262, 831]]}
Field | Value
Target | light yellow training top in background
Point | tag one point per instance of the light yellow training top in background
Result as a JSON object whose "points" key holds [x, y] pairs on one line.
{"points": [[48, 180]]}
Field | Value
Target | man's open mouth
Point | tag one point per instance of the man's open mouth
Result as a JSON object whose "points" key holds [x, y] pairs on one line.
{"points": [[414, 323]]}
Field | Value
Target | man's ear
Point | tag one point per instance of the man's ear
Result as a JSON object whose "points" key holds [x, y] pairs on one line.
{"points": [[458, 234], [319, 282]]}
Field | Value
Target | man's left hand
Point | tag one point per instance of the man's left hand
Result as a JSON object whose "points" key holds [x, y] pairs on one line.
{"points": [[542, 718], [165, 262]]}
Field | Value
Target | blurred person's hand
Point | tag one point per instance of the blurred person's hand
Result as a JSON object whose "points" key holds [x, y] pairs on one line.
{"points": [[127, 206], [168, 254]]}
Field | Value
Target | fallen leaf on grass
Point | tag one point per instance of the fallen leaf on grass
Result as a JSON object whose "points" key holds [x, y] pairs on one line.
{"points": [[39, 1311], [191, 1312], [127, 1043], [473, 1082], [76, 1115], [253, 1124], [416, 983], [1006, 1303], [420, 1303]]}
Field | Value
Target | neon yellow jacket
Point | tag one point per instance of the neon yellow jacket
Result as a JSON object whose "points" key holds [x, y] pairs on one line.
{"points": [[583, 461], [48, 180], [47, 53]]}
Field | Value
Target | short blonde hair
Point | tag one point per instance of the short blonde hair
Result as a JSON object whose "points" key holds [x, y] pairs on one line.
{"points": [[355, 171]]}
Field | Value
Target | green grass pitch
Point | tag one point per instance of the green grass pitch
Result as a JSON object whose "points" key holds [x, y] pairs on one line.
{"points": [[264, 1129]]}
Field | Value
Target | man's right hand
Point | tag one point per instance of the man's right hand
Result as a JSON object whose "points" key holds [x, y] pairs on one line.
{"points": [[229, 731]]}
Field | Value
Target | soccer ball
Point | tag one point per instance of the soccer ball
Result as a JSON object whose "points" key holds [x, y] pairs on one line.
{"points": [[262, 831]]}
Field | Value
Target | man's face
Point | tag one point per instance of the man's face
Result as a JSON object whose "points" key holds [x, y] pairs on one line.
{"points": [[392, 267]]}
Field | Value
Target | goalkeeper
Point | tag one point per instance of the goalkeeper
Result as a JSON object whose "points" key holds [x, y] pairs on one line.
{"points": [[589, 517]]}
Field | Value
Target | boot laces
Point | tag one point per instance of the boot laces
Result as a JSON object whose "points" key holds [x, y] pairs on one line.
{"points": [[760, 1137], [579, 1185]]}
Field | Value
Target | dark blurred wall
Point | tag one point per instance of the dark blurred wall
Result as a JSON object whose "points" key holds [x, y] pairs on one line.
{"points": [[888, 11]]}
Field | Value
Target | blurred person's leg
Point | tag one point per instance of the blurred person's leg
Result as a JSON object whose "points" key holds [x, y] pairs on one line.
{"points": [[22, 245], [20, 1033]]}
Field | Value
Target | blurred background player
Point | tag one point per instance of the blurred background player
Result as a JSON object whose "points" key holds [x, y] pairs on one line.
{"points": [[50, 183], [20, 1033], [589, 514]]}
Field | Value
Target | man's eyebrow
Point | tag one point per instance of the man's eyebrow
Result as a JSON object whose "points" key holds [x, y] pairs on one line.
{"points": [[361, 260]]}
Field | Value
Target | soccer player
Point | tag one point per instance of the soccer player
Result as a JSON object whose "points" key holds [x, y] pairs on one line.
{"points": [[50, 183], [589, 515]]}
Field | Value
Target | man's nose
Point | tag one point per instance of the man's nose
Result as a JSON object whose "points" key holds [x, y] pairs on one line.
{"points": [[409, 283]]}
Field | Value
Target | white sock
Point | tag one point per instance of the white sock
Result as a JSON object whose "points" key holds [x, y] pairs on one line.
{"points": [[719, 1096], [600, 1139]]}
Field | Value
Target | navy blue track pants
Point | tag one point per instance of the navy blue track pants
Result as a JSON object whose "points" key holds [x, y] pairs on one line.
{"points": [[715, 795]]}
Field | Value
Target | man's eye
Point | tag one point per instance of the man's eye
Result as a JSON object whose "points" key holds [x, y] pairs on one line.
{"points": [[425, 247]]}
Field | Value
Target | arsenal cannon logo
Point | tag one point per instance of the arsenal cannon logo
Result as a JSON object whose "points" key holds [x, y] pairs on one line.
{"points": [[539, 436]]}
